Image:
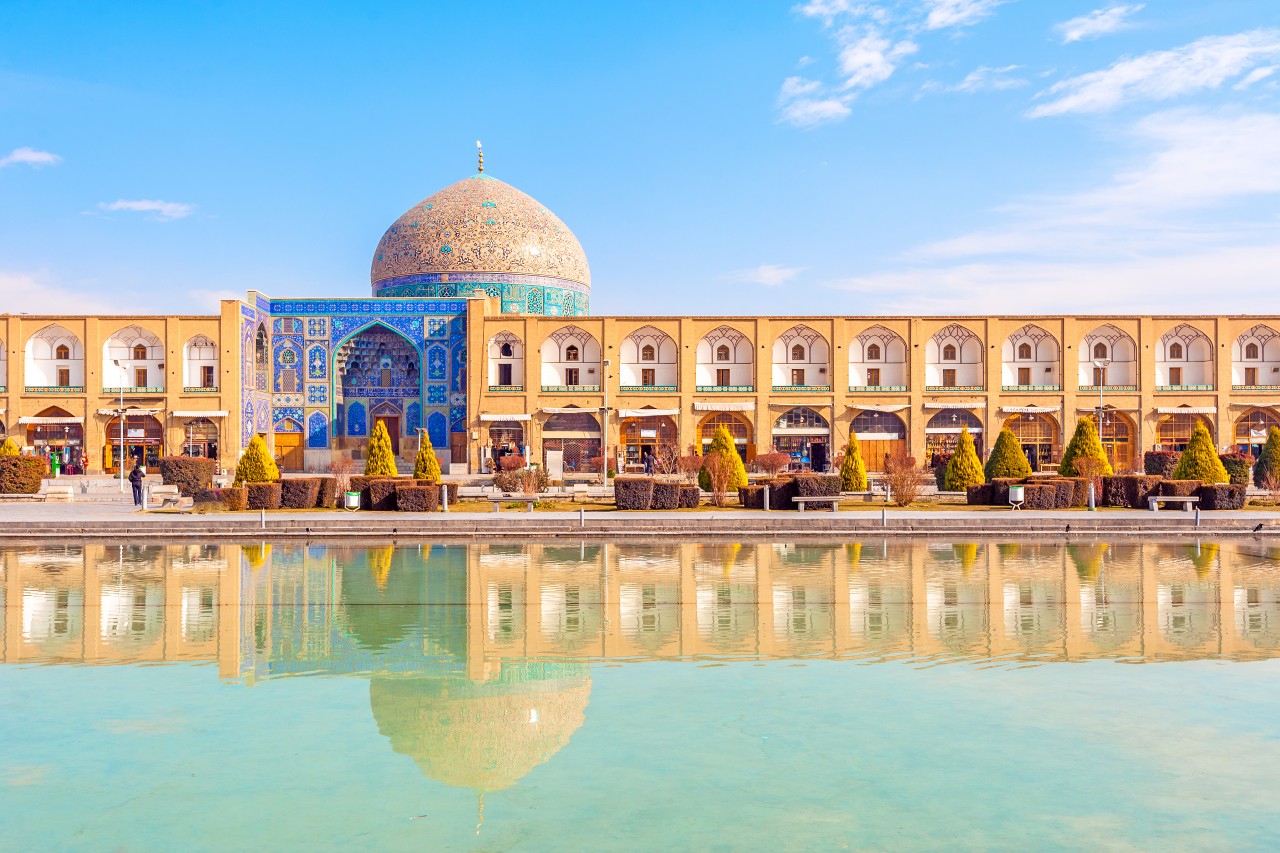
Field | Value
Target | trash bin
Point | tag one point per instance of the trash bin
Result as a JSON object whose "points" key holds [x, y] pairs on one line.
{"points": [[351, 500], [1017, 494]]}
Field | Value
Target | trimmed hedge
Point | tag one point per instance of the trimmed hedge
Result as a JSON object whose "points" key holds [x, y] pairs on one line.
{"points": [[631, 493], [818, 486], [235, 498], [980, 495], [690, 496], [665, 495], [21, 475], [751, 497], [327, 494], [1040, 496], [1239, 466], [1129, 490], [299, 492], [361, 483], [452, 488], [1079, 495], [1222, 496], [1064, 492], [1179, 488], [382, 494], [1161, 462], [1000, 490], [413, 498], [188, 473], [263, 495]]}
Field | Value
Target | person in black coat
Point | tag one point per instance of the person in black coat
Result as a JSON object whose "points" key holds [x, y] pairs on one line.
{"points": [[136, 476]]}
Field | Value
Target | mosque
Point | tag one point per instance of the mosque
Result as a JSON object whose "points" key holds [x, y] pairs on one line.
{"points": [[481, 275]]}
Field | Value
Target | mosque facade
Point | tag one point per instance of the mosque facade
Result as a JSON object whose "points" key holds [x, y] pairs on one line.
{"points": [[477, 333]]}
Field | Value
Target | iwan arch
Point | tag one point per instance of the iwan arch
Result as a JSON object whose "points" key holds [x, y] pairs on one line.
{"points": [[478, 333]]}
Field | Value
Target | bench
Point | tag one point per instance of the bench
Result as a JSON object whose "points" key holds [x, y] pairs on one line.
{"points": [[58, 492], [801, 500], [867, 496], [1154, 501], [167, 495], [580, 490], [506, 499]]}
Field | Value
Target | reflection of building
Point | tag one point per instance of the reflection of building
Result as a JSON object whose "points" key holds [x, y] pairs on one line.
{"points": [[479, 274]]}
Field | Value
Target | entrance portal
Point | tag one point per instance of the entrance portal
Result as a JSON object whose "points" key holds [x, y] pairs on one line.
{"points": [[392, 423]]}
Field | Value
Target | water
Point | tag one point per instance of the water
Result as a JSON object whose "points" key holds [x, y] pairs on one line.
{"points": [[882, 695]]}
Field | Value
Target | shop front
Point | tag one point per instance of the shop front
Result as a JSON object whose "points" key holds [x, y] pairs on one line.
{"points": [[942, 433], [199, 434], [739, 429], [571, 443], [58, 437], [647, 434], [805, 436], [1252, 429], [1173, 429], [1037, 433], [506, 437], [881, 435], [142, 437]]}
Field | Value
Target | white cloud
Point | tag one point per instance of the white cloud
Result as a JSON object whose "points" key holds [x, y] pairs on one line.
{"points": [[1160, 75], [1099, 22], [29, 157], [211, 300], [1255, 76], [984, 79], [867, 58], [34, 293], [794, 87], [958, 13], [163, 210], [770, 275], [811, 112]]}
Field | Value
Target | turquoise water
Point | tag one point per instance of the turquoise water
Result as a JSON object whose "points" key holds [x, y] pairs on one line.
{"points": [[679, 697]]}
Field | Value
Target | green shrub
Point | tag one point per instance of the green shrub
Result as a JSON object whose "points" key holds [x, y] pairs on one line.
{"points": [[236, 499], [1085, 444], [9, 447], [723, 442], [1239, 466], [382, 494], [414, 498], [263, 495], [1007, 458], [380, 462], [1266, 472], [632, 492], [188, 473], [1178, 488], [1200, 460], [1129, 490], [1160, 462], [256, 465], [21, 475], [853, 471], [327, 494], [964, 469], [426, 466], [1222, 496], [690, 496], [299, 492], [666, 495], [979, 495]]}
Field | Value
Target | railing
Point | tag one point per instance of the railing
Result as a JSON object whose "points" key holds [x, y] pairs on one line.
{"points": [[1272, 388], [1108, 388], [1184, 387], [200, 389], [135, 389], [505, 388], [1031, 388], [725, 389], [783, 389], [954, 388], [54, 389], [571, 389], [875, 389], [627, 388]]}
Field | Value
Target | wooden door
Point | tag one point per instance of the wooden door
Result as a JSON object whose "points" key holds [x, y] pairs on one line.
{"points": [[289, 450], [875, 450], [392, 423]]}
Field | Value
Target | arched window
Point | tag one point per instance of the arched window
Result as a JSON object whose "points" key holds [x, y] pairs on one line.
{"points": [[1175, 350], [1024, 351], [873, 352], [1251, 351], [1099, 350], [140, 352], [949, 352], [506, 351], [62, 353], [260, 348], [797, 352], [571, 353], [722, 352], [647, 353]]}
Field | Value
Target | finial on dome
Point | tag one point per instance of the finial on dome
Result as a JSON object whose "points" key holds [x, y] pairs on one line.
{"points": [[480, 151]]}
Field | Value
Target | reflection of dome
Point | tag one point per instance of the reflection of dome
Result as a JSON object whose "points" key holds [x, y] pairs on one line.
{"points": [[487, 234], [481, 735]]}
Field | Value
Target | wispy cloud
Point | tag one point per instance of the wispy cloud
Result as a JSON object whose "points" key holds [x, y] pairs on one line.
{"points": [[958, 13], [36, 293], [1202, 65], [29, 157], [1099, 22], [163, 210], [211, 300], [769, 275], [983, 79]]}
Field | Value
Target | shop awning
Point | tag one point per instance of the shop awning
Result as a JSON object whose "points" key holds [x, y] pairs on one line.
{"points": [[797, 404], [487, 417], [130, 410], [647, 413], [951, 430], [870, 407], [193, 414], [725, 406], [957, 404], [569, 410], [1094, 409], [1030, 410], [50, 420], [1186, 410], [1240, 403]]}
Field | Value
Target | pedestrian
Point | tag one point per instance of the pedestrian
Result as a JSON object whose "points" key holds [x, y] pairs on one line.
{"points": [[136, 476]]}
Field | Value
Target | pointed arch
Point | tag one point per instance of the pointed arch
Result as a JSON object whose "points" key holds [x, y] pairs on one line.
{"points": [[54, 359], [1255, 359], [724, 359], [1030, 360], [878, 359], [200, 363], [811, 369], [954, 360], [1184, 359], [648, 358], [1108, 342], [570, 359]]}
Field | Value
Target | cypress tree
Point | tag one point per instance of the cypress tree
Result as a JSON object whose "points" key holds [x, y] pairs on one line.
{"points": [[1200, 460], [853, 471], [1007, 458], [964, 469], [1266, 472], [426, 466], [1084, 444], [9, 448], [380, 462], [256, 465], [723, 442]]}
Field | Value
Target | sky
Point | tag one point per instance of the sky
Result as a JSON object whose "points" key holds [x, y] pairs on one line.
{"points": [[829, 157]]}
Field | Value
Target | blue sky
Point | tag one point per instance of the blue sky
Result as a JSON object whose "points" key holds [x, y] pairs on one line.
{"points": [[831, 157]]}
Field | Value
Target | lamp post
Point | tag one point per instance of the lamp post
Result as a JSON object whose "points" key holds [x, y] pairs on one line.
{"points": [[1100, 376], [120, 457], [604, 423]]}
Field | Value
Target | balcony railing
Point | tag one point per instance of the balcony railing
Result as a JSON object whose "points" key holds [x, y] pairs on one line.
{"points": [[1272, 388], [571, 389], [954, 388], [875, 389], [631, 388], [726, 389], [1184, 387], [1109, 389], [503, 389], [54, 389], [1031, 388], [200, 389], [135, 389], [783, 389]]}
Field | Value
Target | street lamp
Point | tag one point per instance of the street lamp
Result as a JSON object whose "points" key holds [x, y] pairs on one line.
{"points": [[604, 423], [1100, 376], [120, 458]]}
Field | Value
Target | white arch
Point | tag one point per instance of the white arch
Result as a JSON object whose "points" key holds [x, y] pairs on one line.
{"points": [[1117, 346], [506, 360], [725, 348], [120, 366], [662, 357], [878, 349], [1256, 355], [801, 353], [1184, 356], [567, 349], [4, 365], [42, 364], [1030, 353], [198, 354], [953, 348]]}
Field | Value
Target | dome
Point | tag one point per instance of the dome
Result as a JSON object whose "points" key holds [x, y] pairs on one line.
{"points": [[487, 236]]}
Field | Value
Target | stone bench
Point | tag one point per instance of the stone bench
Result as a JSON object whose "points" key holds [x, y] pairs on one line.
{"points": [[1188, 501], [166, 495], [506, 499], [801, 500]]}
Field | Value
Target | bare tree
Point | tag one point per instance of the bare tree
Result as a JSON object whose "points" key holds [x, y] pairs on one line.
{"points": [[1091, 468], [689, 466], [341, 466], [720, 470], [772, 463], [905, 479], [667, 459]]}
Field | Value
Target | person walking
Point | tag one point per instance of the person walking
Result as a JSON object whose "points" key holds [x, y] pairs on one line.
{"points": [[136, 476]]}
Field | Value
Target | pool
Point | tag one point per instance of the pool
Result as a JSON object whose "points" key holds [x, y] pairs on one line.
{"points": [[651, 696]]}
